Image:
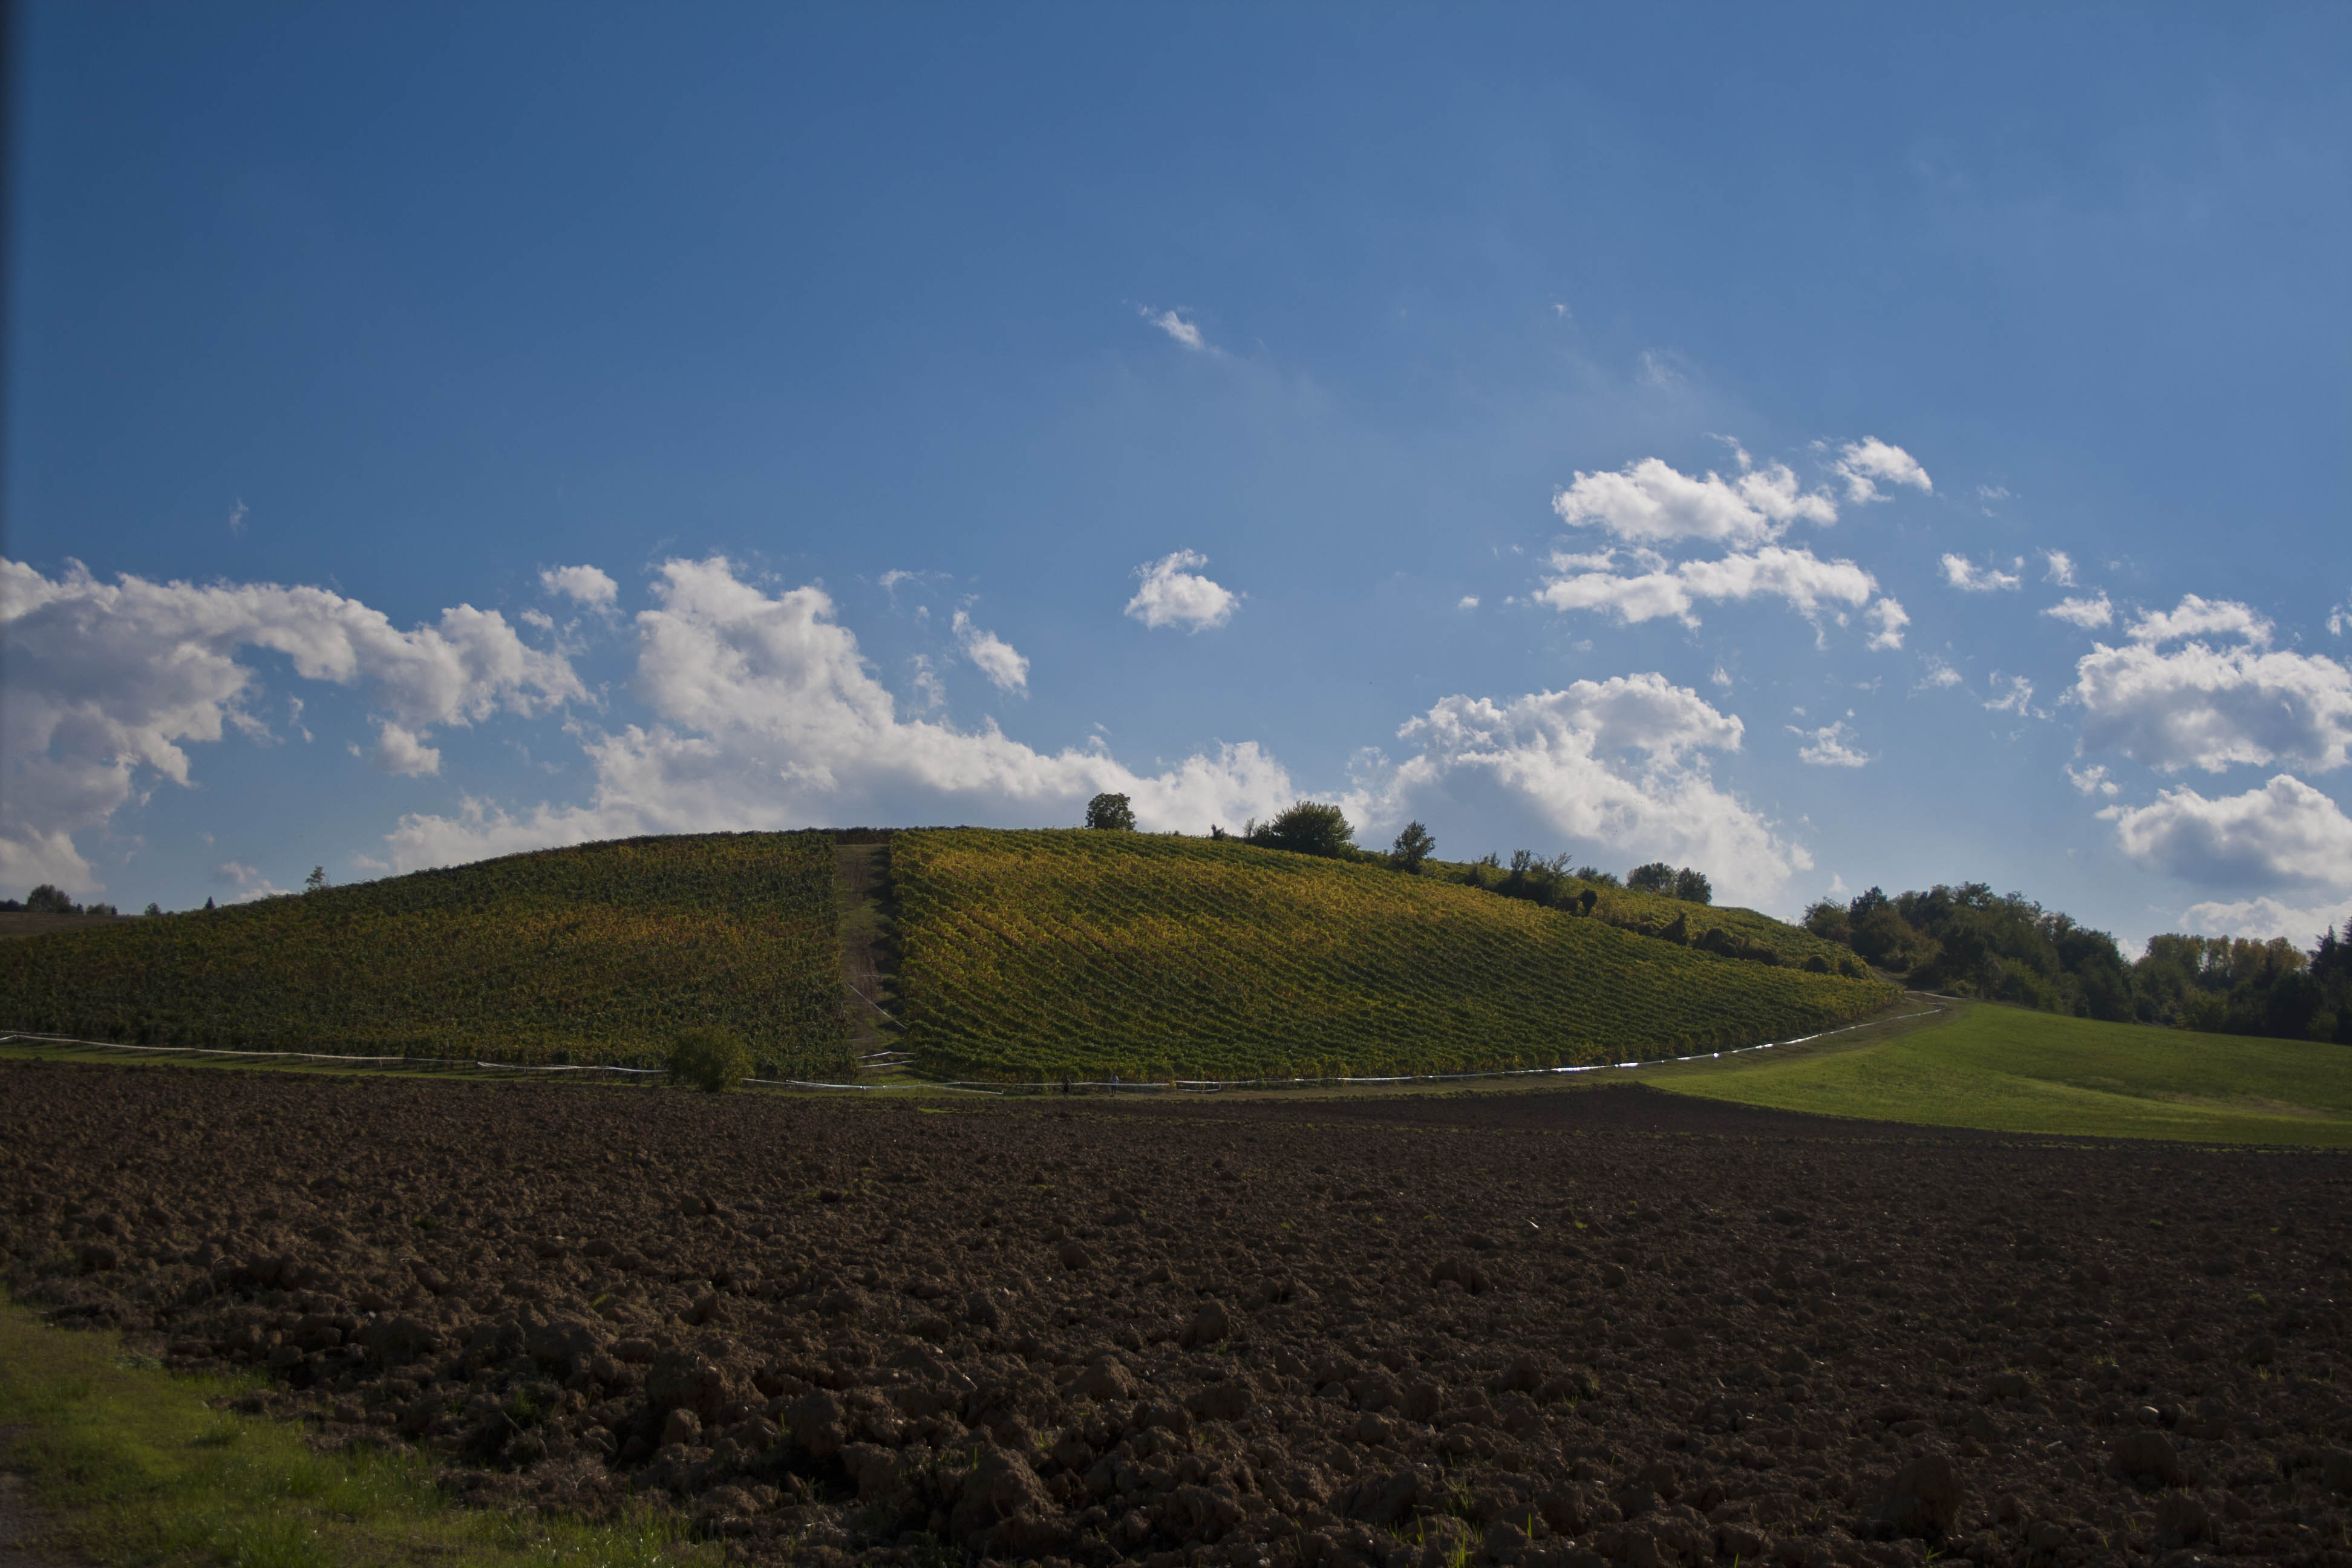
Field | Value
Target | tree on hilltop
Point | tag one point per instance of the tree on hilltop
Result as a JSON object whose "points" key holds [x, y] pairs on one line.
{"points": [[1658, 877], [1309, 827], [1412, 848], [1111, 813]]}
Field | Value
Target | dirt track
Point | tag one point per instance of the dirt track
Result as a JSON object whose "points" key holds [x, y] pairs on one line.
{"points": [[1612, 1326]]}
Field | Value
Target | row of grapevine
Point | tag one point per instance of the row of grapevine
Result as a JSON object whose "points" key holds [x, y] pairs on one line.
{"points": [[1042, 954], [600, 953]]}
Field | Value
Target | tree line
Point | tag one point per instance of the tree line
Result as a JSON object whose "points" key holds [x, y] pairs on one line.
{"points": [[1313, 827], [1968, 941]]}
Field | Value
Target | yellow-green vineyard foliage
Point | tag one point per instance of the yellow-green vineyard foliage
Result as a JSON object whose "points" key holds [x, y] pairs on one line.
{"points": [[1042, 955], [596, 955]]}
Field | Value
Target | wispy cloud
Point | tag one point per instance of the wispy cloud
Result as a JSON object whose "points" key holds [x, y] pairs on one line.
{"points": [[2085, 612], [1970, 578], [1866, 464], [1830, 746], [2059, 568], [1186, 332], [1006, 670], [236, 518]]}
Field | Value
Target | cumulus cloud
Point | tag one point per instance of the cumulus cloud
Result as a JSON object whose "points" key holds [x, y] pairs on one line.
{"points": [[2058, 567], [1005, 669], [108, 681], [2266, 916], [2196, 617], [1616, 767], [1970, 578], [2199, 706], [399, 749], [764, 715], [1830, 746], [1889, 618], [2286, 833], [1805, 581], [1174, 594], [587, 585], [1652, 502], [1183, 331], [1866, 464], [1467, 602], [2085, 613]]}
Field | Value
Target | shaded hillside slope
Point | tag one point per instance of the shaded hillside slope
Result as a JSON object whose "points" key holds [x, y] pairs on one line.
{"points": [[599, 953], [1045, 953]]}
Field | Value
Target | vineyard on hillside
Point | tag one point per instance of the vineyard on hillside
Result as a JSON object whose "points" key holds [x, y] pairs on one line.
{"points": [[596, 955], [1041, 955]]}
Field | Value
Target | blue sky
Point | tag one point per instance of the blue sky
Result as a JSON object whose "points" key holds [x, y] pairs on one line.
{"points": [[1663, 436]]}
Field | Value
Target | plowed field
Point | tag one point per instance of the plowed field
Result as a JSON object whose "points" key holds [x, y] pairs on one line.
{"points": [[1600, 1326]]}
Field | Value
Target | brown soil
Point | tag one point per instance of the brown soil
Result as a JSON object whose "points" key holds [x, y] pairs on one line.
{"points": [[1613, 1326]]}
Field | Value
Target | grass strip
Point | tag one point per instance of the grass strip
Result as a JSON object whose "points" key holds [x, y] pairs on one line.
{"points": [[2008, 1070], [131, 1464]]}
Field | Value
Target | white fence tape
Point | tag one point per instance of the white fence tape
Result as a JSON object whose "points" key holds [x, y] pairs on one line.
{"points": [[1042, 1085]]}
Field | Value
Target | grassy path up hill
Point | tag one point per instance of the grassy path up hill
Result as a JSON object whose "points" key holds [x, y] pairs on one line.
{"points": [[1037, 954]]}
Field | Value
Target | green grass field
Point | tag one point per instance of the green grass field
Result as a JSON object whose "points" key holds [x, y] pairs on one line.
{"points": [[2009, 1069], [600, 953], [1037, 954], [130, 1465]]}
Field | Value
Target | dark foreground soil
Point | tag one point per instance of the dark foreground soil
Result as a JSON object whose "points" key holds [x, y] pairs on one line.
{"points": [[1565, 1329]]}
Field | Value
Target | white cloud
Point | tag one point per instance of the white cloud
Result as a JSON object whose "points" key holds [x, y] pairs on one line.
{"points": [[2286, 833], [929, 690], [402, 751], [248, 881], [2264, 918], [2338, 618], [1831, 746], [1183, 331], [765, 716], [1889, 616], [1867, 463], [1970, 578], [1468, 602], [1605, 769], [1652, 502], [1172, 595], [587, 585], [2015, 695], [236, 518], [1991, 496], [1005, 669], [2195, 617], [2085, 613], [107, 681], [1938, 677], [2093, 780], [2059, 568], [1799, 576], [2213, 708]]}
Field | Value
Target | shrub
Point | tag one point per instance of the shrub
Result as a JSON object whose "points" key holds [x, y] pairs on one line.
{"points": [[711, 1061]]}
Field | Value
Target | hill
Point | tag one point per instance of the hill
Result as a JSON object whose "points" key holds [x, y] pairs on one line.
{"points": [[1041, 955], [2009, 1069], [593, 954]]}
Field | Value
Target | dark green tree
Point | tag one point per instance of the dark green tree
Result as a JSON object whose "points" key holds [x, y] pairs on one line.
{"points": [[1309, 827], [50, 899], [1412, 848], [1112, 813], [1693, 887], [1658, 877]]}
